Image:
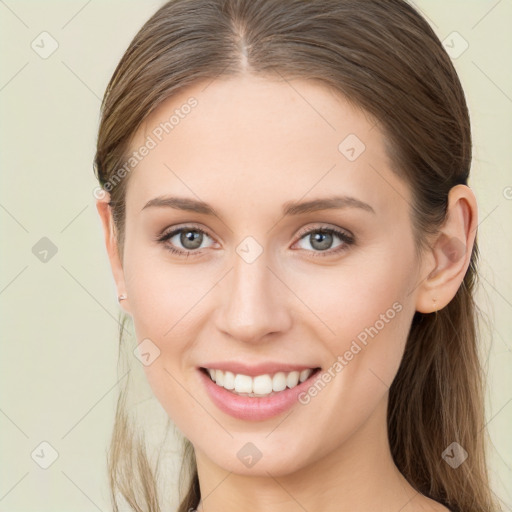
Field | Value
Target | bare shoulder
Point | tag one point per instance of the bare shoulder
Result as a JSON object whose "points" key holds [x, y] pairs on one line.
{"points": [[423, 504], [437, 507]]}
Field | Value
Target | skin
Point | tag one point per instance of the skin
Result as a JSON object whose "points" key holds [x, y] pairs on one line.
{"points": [[251, 145]]}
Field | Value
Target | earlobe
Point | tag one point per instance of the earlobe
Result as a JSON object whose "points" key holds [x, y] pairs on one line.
{"points": [[105, 213], [451, 252]]}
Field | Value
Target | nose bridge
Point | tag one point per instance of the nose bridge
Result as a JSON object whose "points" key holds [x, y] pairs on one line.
{"points": [[252, 306]]}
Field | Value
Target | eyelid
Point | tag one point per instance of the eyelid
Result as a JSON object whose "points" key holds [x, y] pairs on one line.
{"points": [[346, 238], [344, 235], [325, 227], [166, 234], [181, 227]]}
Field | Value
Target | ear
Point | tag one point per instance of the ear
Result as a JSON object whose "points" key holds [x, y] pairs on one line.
{"points": [[105, 212], [450, 255]]}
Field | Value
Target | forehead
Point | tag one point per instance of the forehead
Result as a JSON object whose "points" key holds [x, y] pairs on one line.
{"points": [[256, 139]]}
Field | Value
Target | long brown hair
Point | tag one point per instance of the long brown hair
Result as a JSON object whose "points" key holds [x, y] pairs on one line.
{"points": [[384, 58]]}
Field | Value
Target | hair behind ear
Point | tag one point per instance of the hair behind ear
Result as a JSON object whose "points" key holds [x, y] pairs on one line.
{"points": [[436, 399]]}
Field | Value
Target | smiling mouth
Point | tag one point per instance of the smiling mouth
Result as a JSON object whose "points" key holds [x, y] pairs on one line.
{"points": [[259, 386]]}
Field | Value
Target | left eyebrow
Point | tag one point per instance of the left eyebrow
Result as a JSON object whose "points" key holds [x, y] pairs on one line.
{"points": [[327, 203], [289, 208]]}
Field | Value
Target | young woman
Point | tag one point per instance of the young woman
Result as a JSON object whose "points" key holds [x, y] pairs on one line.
{"points": [[285, 201]]}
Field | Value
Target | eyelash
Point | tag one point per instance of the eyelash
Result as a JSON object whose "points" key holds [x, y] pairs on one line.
{"points": [[347, 240]]}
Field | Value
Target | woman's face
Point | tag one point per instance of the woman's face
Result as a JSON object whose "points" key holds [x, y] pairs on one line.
{"points": [[264, 289]]}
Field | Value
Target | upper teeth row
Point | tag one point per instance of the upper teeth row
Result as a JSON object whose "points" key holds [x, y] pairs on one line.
{"points": [[261, 384]]}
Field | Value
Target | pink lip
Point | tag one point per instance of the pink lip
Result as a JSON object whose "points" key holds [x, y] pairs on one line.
{"points": [[254, 408], [257, 369]]}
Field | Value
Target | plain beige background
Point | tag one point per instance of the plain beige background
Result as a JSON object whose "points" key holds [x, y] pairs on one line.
{"points": [[59, 317]]}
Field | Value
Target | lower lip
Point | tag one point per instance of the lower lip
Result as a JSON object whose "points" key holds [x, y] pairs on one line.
{"points": [[254, 408]]}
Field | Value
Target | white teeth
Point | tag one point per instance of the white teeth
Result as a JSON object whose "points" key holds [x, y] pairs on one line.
{"points": [[229, 380], [292, 379], [243, 383], [304, 374], [261, 385], [279, 381]]}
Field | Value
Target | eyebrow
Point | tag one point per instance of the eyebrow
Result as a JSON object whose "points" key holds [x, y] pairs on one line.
{"points": [[289, 208]]}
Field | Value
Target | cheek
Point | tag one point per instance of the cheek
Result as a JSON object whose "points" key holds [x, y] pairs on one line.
{"points": [[367, 307], [164, 295], [358, 294]]}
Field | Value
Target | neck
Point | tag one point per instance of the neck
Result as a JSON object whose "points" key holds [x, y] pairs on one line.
{"points": [[359, 475]]}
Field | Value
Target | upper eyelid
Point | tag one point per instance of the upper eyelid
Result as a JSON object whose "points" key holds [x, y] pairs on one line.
{"points": [[308, 230], [176, 229]]}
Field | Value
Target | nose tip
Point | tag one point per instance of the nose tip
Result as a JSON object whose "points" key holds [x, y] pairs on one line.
{"points": [[253, 303]]}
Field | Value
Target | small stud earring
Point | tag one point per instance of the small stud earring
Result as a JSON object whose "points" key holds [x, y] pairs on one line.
{"points": [[121, 297], [435, 305]]}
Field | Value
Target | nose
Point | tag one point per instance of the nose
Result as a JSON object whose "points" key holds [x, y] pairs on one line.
{"points": [[254, 302]]}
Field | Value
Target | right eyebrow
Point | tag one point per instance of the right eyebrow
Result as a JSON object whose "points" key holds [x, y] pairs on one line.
{"points": [[289, 208]]}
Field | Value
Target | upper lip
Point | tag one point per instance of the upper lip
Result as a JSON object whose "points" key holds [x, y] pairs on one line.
{"points": [[252, 370]]}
